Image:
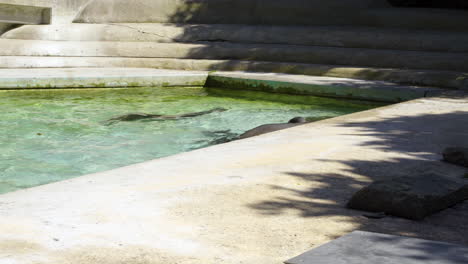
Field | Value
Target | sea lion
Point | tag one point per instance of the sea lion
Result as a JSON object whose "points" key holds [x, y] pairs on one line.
{"points": [[139, 116], [297, 119], [263, 129]]}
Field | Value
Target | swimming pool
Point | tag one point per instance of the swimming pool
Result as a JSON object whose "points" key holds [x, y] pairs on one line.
{"points": [[51, 135]]}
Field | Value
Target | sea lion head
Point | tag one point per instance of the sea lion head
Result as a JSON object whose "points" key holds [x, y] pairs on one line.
{"points": [[297, 119], [219, 109]]}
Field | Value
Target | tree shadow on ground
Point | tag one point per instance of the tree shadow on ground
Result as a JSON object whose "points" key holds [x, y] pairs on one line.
{"points": [[417, 142]]}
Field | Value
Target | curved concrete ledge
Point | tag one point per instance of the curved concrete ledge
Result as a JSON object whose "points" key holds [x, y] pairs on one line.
{"points": [[260, 200], [277, 83], [321, 86], [443, 79], [4, 27]]}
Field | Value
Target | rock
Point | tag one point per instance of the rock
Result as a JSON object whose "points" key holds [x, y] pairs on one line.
{"points": [[411, 197], [456, 155]]}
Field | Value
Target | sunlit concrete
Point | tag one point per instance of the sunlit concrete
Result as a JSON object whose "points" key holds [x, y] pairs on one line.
{"points": [[260, 200]]}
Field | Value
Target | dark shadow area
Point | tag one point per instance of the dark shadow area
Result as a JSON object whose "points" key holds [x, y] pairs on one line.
{"points": [[453, 4], [5, 27], [418, 141], [265, 54], [265, 12]]}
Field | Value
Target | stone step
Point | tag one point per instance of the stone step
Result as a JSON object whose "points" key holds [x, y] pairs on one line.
{"points": [[234, 51], [273, 12], [350, 37], [442, 79], [49, 78], [319, 86]]}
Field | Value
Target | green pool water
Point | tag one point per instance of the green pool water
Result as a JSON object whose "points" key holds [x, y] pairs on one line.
{"points": [[51, 135]]}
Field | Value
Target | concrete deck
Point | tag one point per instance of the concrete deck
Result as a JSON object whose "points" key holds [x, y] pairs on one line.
{"points": [[260, 200], [365, 247]]}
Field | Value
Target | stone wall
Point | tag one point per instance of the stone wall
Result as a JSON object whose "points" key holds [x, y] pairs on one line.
{"points": [[20, 12], [250, 11], [64, 11], [225, 11]]}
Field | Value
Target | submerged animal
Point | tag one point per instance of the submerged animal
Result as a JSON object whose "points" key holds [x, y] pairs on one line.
{"points": [[139, 116], [263, 129]]}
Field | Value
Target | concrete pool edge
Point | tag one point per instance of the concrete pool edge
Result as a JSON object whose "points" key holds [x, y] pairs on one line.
{"points": [[319, 86], [17, 79], [194, 206], [267, 82]]}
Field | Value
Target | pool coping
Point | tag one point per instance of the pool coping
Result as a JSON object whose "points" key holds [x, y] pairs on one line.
{"points": [[320, 86], [52, 78], [196, 206]]}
